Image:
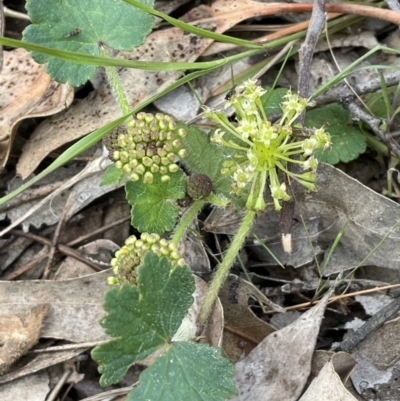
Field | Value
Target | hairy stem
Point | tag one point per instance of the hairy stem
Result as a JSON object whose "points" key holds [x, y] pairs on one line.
{"points": [[118, 90], [116, 86], [225, 266], [186, 219]]}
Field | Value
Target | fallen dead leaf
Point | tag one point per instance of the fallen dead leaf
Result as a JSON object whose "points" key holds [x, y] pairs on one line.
{"points": [[33, 388], [26, 91], [278, 368], [40, 362], [192, 250], [49, 209], [99, 251], [75, 305], [329, 385], [19, 333], [243, 330], [378, 366]]}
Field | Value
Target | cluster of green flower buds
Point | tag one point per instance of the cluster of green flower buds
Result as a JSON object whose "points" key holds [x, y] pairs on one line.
{"points": [[263, 149], [148, 144], [132, 253]]}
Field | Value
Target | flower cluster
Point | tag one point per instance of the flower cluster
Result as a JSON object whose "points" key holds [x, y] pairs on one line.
{"points": [[262, 149], [132, 253], [146, 145]]}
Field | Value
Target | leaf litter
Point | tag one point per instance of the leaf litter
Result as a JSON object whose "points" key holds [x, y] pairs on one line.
{"points": [[27, 92], [287, 352]]}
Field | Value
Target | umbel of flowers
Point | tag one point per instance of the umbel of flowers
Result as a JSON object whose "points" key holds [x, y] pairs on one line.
{"points": [[132, 253], [148, 144], [263, 149]]}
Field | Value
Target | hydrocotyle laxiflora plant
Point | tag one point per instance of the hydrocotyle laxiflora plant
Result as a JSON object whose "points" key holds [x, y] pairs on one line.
{"points": [[152, 286]]}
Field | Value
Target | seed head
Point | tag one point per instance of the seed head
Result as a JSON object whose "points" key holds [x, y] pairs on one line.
{"points": [[132, 253], [199, 186], [144, 144]]}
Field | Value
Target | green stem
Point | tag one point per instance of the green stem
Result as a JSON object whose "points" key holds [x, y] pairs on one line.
{"points": [[186, 219], [114, 81], [116, 85], [225, 266]]}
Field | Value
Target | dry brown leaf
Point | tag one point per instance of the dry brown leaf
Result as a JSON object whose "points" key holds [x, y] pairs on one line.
{"points": [[49, 209], [329, 385], [192, 250], [19, 333], [278, 368], [243, 329], [40, 362], [75, 305], [26, 91], [378, 366], [32, 388], [43, 210]]}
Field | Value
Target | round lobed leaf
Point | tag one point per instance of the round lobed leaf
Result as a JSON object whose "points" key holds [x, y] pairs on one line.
{"points": [[84, 26]]}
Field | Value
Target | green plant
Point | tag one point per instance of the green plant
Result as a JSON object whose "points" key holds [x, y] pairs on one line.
{"points": [[247, 153], [152, 286]]}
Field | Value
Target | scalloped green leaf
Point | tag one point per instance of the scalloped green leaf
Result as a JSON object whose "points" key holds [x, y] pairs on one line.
{"points": [[153, 209], [348, 142], [205, 157], [84, 26], [187, 371], [112, 175], [144, 317]]}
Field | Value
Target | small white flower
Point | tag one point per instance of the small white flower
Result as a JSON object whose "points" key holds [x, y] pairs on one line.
{"points": [[253, 160], [308, 146], [311, 163], [279, 192], [323, 138], [208, 112], [246, 128], [241, 177], [267, 133], [217, 136]]}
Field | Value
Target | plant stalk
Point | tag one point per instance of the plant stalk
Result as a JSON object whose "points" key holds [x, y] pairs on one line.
{"points": [[119, 93], [116, 85], [186, 219], [225, 266]]}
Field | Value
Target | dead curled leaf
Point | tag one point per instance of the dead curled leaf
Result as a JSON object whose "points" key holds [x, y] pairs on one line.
{"points": [[243, 330], [19, 333], [26, 91], [278, 368]]}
